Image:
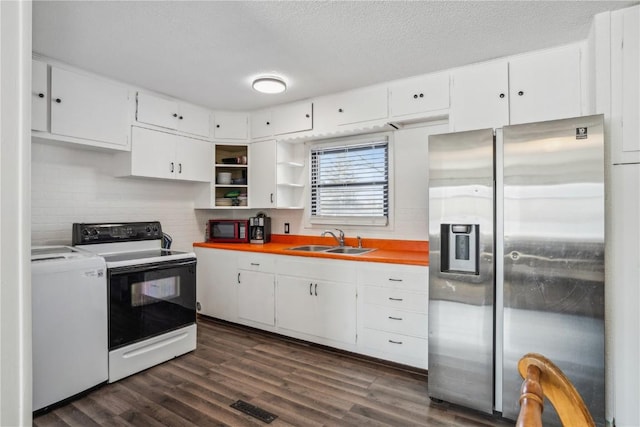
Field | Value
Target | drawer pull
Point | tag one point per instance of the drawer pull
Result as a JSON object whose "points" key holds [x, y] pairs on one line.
{"points": [[395, 342], [255, 264], [395, 299], [391, 279], [395, 318]]}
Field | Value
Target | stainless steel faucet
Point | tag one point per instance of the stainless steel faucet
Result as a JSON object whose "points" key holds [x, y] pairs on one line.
{"points": [[340, 239]]}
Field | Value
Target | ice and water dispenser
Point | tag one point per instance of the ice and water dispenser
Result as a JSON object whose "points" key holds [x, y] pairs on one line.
{"points": [[460, 248]]}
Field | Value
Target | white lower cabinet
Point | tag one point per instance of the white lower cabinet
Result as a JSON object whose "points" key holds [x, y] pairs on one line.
{"points": [[374, 309], [392, 313], [319, 308], [217, 289], [256, 289]]}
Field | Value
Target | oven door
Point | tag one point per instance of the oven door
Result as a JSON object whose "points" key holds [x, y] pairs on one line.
{"points": [[150, 299]]}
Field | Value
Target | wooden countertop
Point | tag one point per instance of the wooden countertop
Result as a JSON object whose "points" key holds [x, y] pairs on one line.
{"points": [[409, 252]]}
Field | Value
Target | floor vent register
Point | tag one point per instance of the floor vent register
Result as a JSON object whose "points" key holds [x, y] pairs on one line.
{"points": [[254, 411]]}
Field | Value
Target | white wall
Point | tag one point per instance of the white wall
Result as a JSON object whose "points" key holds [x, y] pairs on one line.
{"points": [[15, 277], [71, 184]]}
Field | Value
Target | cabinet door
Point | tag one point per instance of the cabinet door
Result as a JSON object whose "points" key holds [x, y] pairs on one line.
{"points": [[157, 111], [335, 311], [152, 153], [294, 117], [256, 297], [216, 293], [418, 95], [194, 120], [261, 124], [231, 126], [194, 159], [296, 305], [545, 86], [88, 108], [39, 96], [363, 105], [480, 97], [625, 85], [262, 174]]}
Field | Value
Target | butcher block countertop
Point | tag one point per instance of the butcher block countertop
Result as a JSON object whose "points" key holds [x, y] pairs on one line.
{"points": [[409, 252]]}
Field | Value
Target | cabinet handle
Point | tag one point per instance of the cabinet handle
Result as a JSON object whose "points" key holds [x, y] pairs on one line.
{"points": [[179, 167], [340, 110], [172, 167], [391, 279], [316, 290], [41, 95], [180, 117], [395, 342], [310, 287], [520, 93], [58, 100], [268, 123], [175, 114], [255, 264], [238, 278], [501, 95], [415, 96], [395, 318], [306, 115], [218, 126], [271, 197], [422, 95], [395, 299]]}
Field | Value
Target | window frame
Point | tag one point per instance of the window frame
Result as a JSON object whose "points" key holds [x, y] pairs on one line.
{"points": [[377, 222]]}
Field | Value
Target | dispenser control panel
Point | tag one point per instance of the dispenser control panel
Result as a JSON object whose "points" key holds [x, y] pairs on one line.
{"points": [[460, 248]]}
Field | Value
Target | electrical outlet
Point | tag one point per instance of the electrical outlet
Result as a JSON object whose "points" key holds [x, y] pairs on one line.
{"points": [[286, 228]]}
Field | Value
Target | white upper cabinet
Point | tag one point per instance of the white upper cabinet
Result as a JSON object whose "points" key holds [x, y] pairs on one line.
{"points": [[545, 85], [39, 96], [89, 108], [529, 88], [291, 118], [625, 85], [231, 125], [355, 106], [171, 114], [284, 119], [164, 155], [419, 95], [262, 174], [480, 96]]}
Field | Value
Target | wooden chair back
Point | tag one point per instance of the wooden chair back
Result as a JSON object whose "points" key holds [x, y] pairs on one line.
{"points": [[543, 378]]}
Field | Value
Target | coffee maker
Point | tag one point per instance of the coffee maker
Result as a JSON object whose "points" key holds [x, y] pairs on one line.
{"points": [[260, 229]]}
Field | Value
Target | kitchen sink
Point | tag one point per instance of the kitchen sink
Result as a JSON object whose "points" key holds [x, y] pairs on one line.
{"points": [[349, 251], [343, 250], [311, 248]]}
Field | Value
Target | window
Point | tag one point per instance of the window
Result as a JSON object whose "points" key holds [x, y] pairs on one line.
{"points": [[350, 182]]}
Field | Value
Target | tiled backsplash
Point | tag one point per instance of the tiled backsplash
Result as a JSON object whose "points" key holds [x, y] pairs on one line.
{"points": [[76, 185]]}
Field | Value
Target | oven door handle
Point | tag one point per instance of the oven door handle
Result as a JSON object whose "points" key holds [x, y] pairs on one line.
{"points": [[152, 267]]}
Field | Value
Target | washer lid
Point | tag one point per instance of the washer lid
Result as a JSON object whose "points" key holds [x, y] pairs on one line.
{"points": [[49, 253]]}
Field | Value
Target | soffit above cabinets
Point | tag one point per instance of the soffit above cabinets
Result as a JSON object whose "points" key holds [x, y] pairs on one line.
{"points": [[207, 52]]}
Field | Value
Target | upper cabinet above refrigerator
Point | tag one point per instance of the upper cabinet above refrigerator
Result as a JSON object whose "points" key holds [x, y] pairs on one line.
{"points": [[528, 88]]}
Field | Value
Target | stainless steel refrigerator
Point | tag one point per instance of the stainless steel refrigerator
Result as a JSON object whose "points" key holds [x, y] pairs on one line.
{"points": [[516, 261]]}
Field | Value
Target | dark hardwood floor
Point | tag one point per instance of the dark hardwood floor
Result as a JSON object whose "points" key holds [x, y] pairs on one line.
{"points": [[303, 385]]}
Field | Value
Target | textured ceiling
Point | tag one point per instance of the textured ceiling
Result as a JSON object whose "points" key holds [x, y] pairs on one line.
{"points": [[206, 52]]}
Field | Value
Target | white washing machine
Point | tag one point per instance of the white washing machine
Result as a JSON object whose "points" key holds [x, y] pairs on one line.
{"points": [[69, 321]]}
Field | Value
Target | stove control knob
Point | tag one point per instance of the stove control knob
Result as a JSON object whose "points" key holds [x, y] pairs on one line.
{"points": [[94, 232], [148, 229], [85, 232], [155, 229]]}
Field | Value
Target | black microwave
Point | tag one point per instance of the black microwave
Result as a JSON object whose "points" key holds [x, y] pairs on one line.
{"points": [[227, 231]]}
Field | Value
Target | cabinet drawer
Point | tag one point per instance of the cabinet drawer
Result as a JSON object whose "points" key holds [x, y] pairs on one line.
{"points": [[395, 298], [395, 347], [390, 320], [263, 263], [317, 269], [397, 276]]}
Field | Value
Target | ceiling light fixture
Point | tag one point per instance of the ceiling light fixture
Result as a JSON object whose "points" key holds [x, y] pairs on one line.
{"points": [[269, 84]]}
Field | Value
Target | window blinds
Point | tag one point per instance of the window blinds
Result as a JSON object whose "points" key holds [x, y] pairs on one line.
{"points": [[350, 180]]}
